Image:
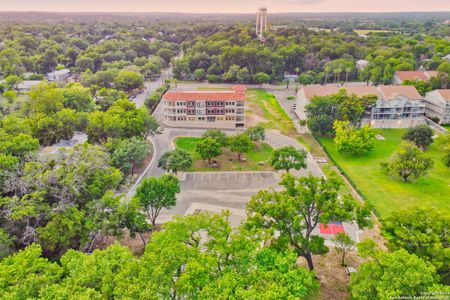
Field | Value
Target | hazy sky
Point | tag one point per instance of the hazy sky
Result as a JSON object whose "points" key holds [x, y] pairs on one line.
{"points": [[233, 6]]}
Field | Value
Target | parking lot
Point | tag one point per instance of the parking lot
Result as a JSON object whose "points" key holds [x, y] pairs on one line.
{"points": [[226, 189]]}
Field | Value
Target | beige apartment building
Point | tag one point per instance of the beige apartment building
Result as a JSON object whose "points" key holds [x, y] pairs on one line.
{"points": [[205, 109], [396, 107], [438, 105]]}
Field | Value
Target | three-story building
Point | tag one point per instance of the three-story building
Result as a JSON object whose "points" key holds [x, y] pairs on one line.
{"points": [[205, 109]]}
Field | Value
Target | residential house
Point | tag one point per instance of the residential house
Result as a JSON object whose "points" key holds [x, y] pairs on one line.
{"points": [[26, 85], [437, 104], [401, 76], [59, 76]]}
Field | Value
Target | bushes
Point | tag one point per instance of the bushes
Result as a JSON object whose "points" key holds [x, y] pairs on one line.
{"points": [[153, 100]]}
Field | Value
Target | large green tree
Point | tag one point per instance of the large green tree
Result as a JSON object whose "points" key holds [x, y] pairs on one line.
{"points": [[408, 161], [423, 232], [356, 141], [290, 216], [176, 160], [128, 152], [421, 136], [240, 144], [156, 193], [287, 158], [388, 275], [208, 148]]}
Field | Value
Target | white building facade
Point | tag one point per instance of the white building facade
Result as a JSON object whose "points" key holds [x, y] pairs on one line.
{"points": [[438, 105]]}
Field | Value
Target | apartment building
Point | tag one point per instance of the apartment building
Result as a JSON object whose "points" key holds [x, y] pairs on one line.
{"points": [[205, 109], [396, 107], [401, 76], [437, 104]]}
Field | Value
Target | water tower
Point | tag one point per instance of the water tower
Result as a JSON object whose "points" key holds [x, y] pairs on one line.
{"points": [[261, 22]]}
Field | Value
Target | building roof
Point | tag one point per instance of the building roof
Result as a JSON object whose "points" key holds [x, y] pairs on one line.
{"points": [[60, 72], [325, 90], [385, 92], [28, 84], [445, 94], [204, 96], [390, 92], [415, 75]]}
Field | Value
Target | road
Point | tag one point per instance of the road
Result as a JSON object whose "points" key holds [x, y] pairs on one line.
{"points": [[152, 86]]}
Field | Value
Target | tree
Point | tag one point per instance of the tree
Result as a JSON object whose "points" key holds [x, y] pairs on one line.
{"points": [[444, 144], [46, 98], [290, 216], [321, 114], [128, 80], [351, 140], [421, 136], [26, 272], [78, 98], [240, 144], [407, 161], [155, 193], [151, 124], [261, 78], [10, 62], [128, 152], [287, 158], [420, 231], [174, 161], [444, 72], [105, 97], [199, 74], [218, 135], [11, 96], [201, 256], [83, 63], [343, 245], [208, 148], [18, 145], [67, 123], [387, 275], [12, 81], [256, 133]]}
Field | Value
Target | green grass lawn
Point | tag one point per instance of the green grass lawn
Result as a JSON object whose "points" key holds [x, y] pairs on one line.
{"points": [[228, 160], [264, 107], [367, 31], [385, 194]]}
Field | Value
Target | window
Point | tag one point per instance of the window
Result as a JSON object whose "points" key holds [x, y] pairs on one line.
{"points": [[211, 119], [201, 118]]}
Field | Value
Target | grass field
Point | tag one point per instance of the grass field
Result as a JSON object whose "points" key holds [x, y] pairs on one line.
{"points": [[367, 31], [264, 109], [228, 160], [385, 194]]}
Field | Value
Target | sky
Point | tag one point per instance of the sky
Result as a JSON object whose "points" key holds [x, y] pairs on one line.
{"points": [[224, 6]]}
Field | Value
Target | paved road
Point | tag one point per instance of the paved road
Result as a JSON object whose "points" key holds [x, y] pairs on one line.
{"points": [[151, 86]]}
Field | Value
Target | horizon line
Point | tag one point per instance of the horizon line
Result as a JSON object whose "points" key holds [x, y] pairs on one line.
{"points": [[229, 13]]}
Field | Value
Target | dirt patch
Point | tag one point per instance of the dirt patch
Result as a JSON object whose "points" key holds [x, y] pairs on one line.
{"points": [[135, 244], [331, 275]]}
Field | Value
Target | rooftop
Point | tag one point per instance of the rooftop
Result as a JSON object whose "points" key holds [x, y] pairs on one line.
{"points": [[325, 90], [204, 96], [389, 92], [444, 94], [385, 92], [415, 75]]}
